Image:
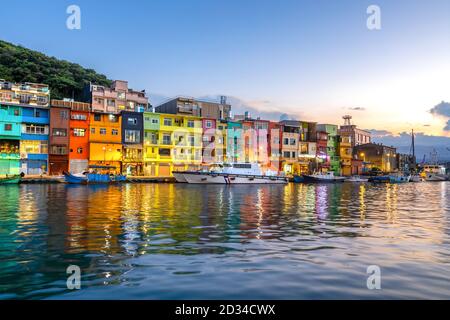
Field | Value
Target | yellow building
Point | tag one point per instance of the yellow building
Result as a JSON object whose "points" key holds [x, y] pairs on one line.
{"points": [[171, 142], [105, 140], [345, 153]]}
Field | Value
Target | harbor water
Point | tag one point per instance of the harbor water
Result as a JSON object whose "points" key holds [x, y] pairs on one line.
{"points": [[175, 241]]}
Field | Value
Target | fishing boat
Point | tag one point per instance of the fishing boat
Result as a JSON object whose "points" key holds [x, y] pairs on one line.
{"points": [[15, 179], [399, 178], [434, 173], [234, 173], [298, 179], [96, 175], [357, 179], [327, 177]]}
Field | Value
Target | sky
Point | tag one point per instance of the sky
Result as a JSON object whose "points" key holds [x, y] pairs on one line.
{"points": [[312, 60]]}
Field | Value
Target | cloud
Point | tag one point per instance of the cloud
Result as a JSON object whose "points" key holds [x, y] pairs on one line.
{"points": [[442, 109], [447, 127], [380, 133], [357, 108], [263, 109], [425, 144]]}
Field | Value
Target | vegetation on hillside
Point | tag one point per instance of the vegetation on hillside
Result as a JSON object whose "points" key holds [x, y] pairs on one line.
{"points": [[66, 79]]}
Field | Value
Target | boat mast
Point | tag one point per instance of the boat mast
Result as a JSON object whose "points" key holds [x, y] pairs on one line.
{"points": [[413, 146]]}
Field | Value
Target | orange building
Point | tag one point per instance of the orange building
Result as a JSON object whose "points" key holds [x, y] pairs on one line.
{"points": [[105, 140], [79, 137]]}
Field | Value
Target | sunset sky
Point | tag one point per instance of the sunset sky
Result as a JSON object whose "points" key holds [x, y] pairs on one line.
{"points": [[314, 60]]}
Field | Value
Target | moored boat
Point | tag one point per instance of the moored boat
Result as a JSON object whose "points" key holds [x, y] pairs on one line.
{"points": [[235, 173], [94, 177], [327, 177], [15, 179], [434, 173], [357, 179]]}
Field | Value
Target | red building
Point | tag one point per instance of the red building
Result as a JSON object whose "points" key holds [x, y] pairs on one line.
{"points": [[59, 137], [321, 151], [79, 137]]}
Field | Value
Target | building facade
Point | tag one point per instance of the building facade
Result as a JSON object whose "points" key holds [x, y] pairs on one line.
{"points": [[132, 141], [115, 99], [79, 137], [105, 141], [357, 136], [172, 142], [290, 142], [59, 137], [345, 153], [34, 101], [10, 134], [332, 145], [376, 156], [198, 108]]}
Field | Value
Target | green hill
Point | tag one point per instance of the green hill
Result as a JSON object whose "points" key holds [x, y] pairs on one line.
{"points": [[65, 79]]}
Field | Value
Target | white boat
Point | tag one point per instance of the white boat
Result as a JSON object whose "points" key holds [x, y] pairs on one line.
{"points": [[434, 173], [179, 176], [235, 173], [327, 177], [357, 179], [416, 178]]}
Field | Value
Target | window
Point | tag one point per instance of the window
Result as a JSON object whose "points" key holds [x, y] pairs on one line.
{"points": [[37, 113], [191, 124], [166, 139], [77, 132], [92, 130], [98, 101], [191, 140], [113, 118], [293, 141], [167, 121], [132, 121], [115, 132], [97, 117], [286, 141], [8, 127], [286, 154], [155, 121], [16, 112], [133, 136], [58, 150], [64, 114], [102, 131], [77, 116], [208, 124], [33, 129], [80, 150], [121, 95], [164, 152], [111, 103], [33, 147], [57, 132]]}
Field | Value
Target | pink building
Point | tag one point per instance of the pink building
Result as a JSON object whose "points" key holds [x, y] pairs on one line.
{"points": [[115, 99]]}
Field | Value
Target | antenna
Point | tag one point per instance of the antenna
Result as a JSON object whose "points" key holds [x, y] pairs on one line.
{"points": [[347, 120]]}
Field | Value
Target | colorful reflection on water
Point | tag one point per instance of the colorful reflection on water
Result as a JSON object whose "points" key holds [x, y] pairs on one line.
{"points": [[168, 241]]}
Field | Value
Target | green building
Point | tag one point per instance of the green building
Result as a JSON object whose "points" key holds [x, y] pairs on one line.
{"points": [[10, 135], [332, 146]]}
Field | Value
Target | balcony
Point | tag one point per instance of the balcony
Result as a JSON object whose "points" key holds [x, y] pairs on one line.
{"points": [[9, 156]]}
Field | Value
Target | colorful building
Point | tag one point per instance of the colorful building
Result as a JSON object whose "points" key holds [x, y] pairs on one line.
{"points": [[210, 154], [357, 136], [323, 162], [79, 137], [171, 142], [132, 141], [332, 145], [10, 132], [59, 136], [376, 156], [234, 136], [105, 140], [34, 101], [115, 99], [289, 146], [197, 108], [345, 153]]}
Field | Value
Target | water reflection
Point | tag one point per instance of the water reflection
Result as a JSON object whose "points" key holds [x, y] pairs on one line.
{"points": [[44, 228]]}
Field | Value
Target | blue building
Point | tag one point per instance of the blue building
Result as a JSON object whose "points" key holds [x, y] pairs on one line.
{"points": [[132, 141], [34, 140]]}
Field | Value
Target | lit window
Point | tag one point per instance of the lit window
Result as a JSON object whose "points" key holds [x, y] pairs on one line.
{"points": [[77, 132]]}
